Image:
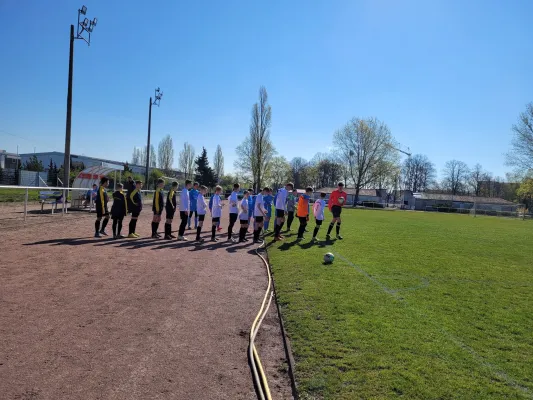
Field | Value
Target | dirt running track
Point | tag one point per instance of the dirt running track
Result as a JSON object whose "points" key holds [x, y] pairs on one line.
{"points": [[85, 318]]}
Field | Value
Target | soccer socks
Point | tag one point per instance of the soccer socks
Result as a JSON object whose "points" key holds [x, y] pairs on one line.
{"points": [[104, 223], [97, 226], [257, 232], [330, 228], [198, 230], [195, 222], [301, 230], [213, 232], [131, 228], [119, 228], [115, 223], [315, 232], [168, 229], [338, 228], [242, 234], [266, 225]]}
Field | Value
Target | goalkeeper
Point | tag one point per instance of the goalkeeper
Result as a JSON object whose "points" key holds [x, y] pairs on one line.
{"points": [[337, 199]]}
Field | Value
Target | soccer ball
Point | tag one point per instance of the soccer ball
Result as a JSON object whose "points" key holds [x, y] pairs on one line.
{"points": [[341, 200], [328, 258]]}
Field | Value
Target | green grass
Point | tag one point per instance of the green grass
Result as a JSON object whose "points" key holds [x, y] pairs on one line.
{"points": [[17, 195], [416, 306]]}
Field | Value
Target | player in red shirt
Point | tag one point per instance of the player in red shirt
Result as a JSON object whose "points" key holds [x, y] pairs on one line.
{"points": [[337, 199]]}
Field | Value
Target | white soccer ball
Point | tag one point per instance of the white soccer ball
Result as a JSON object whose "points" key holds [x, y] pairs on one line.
{"points": [[341, 200], [328, 258]]}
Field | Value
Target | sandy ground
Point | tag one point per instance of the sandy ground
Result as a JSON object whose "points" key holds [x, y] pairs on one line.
{"points": [[85, 318]]}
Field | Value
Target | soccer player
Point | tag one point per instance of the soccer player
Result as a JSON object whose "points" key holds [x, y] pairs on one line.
{"points": [[201, 207], [193, 196], [337, 199], [318, 210], [216, 213], [259, 214], [157, 207], [292, 199], [130, 185], [135, 205], [251, 205], [267, 200], [119, 210], [233, 210], [184, 209], [243, 217], [101, 208], [170, 208], [211, 211], [302, 211], [281, 208]]}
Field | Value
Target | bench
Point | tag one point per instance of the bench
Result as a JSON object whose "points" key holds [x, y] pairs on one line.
{"points": [[50, 197]]}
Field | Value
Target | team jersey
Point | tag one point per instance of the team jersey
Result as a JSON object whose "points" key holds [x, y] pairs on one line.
{"points": [[251, 206], [171, 200], [244, 210], [234, 203], [259, 208], [101, 200], [281, 199], [157, 203], [201, 205], [291, 202], [216, 211], [303, 206], [268, 203], [318, 209], [184, 200], [119, 208], [129, 186], [193, 197], [136, 200], [334, 198]]}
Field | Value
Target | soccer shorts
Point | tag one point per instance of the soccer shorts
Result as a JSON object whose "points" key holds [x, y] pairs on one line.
{"points": [[336, 211], [244, 221], [100, 214], [170, 213], [318, 221], [184, 215], [280, 213], [259, 219], [216, 219], [201, 217], [232, 218]]}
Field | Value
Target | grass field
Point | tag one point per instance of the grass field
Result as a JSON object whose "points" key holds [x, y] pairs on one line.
{"points": [[17, 195], [416, 305]]}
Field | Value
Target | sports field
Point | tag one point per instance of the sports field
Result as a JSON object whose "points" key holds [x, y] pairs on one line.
{"points": [[416, 305]]}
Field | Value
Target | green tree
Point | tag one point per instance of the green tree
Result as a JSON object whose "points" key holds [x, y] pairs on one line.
{"points": [[206, 175], [34, 164], [525, 193], [154, 175]]}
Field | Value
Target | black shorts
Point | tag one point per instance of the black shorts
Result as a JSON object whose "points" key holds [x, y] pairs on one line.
{"points": [[280, 213], [233, 218], [184, 215], [318, 222], [170, 213], [244, 221], [135, 213], [215, 219], [336, 211], [158, 213], [201, 217], [259, 219], [99, 214]]}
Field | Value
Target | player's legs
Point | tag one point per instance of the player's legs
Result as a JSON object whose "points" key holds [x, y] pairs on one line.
{"points": [[301, 229], [184, 215], [258, 225], [243, 230], [215, 222], [290, 218], [232, 220], [199, 227], [317, 228]]}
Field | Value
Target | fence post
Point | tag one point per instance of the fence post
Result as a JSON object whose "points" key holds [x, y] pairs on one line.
{"points": [[25, 204]]}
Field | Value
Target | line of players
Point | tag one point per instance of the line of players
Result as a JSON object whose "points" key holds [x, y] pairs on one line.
{"points": [[258, 208]]}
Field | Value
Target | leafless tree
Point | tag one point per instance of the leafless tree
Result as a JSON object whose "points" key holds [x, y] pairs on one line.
{"points": [[298, 166], [153, 157], [218, 162], [186, 160], [166, 154], [521, 154], [328, 170], [418, 173], [255, 154], [364, 145], [476, 178], [136, 157], [455, 176]]}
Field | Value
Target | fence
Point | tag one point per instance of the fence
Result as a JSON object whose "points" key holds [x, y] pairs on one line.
{"points": [[518, 213]]}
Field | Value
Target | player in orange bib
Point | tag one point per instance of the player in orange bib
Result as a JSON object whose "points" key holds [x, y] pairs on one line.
{"points": [[337, 199]]}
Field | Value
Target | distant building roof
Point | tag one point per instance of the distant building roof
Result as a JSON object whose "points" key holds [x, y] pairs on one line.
{"points": [[461, 199]]}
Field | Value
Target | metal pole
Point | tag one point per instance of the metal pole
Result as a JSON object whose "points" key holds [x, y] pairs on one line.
{"points": [[25, 204], [148, 145], [66, 162]]}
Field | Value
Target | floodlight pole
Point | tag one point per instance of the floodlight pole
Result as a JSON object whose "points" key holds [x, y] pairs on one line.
{"points": [[83, 26], [155, 102]]}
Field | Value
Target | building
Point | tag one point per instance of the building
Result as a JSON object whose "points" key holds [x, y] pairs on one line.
{"points": [[9, 160], [365, 195], [440, 201]]}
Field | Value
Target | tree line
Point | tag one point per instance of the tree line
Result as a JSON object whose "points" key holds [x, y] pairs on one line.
{"points": [[365, 155]]}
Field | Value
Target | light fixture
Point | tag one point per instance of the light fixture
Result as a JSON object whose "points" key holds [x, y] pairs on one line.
{"points": [[85, 22], [83, 10], [95, 20]]}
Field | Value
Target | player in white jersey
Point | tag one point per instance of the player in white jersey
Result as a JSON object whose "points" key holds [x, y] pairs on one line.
{"points": [[216, 212], [259, 214], [233, 210], [318, 210], [201, 208], [184, 209], [243, 217], [281, 209]]}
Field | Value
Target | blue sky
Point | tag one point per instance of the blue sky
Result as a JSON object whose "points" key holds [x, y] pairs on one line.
{"points": [[449, 77]]}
